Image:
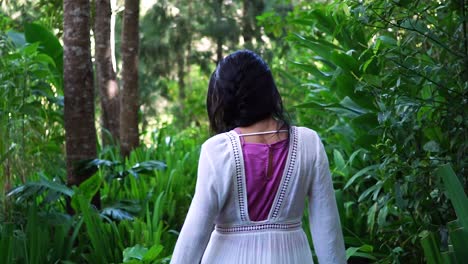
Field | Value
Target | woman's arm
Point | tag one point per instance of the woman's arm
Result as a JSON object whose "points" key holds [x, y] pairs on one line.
{"points": [[323, 213], [198, 225]]}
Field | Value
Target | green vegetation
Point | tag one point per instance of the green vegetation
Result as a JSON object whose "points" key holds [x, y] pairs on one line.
{"points": [[383, 82]]}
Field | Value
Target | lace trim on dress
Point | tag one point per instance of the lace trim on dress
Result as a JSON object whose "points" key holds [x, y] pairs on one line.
{"points": [[250, 228], [290, 162], [240, 190], [284, 185]]}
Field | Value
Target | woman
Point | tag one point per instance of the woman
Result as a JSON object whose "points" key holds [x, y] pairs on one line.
{"points": [[254, 177]]}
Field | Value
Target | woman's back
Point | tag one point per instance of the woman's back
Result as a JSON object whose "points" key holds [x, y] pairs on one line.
{"points": [[235, 217], [279, 238], [264, 165], [264, 154]]}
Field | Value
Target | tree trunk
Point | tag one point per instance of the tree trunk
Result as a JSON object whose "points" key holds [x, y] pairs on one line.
{"points": [[189, 46], [250, 32], [129, 98], [180, 76], [247, 28], [219, 49], [106, 77], [219, 38], [80, 132]]}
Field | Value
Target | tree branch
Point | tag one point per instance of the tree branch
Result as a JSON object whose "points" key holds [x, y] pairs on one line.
{"points": [[463, 10], [436, 41]]}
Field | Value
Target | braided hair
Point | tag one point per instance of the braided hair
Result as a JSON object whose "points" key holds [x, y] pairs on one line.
{"points": [[242, 92]]}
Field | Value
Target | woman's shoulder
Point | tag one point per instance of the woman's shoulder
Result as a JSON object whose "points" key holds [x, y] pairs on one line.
{"points": [[306, 132], [217, 143], [311, 143]]}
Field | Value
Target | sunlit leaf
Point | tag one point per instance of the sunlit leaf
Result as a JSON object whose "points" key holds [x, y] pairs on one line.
{"points": [[153, 253], [359, 174], [135, 252]]}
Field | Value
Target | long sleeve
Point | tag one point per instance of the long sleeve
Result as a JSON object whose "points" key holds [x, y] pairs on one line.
{"points": [[323, 213], [199, 223]]}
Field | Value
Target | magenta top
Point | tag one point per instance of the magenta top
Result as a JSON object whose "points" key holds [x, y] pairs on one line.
{"points": [[264, 166]]}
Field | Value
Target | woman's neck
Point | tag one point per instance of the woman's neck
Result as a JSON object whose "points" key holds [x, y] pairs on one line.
{"points": [[268, 124]]}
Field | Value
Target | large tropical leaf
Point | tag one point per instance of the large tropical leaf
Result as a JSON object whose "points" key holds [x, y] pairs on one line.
{"points": [[455, 192], [49, 43], [37, 188]]}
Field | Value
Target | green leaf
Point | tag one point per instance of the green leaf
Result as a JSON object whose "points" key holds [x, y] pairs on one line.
{"points": [[371, 216], [390, 41], [86, 190], [302, 21], [135, 252], [366, 248], [431, 146], [344, 84], [102, 163], [351, 251], [354, 155], [116, 214], [316, 105], [455, 193], [400, 202], [434, 133], [448, 257], [340, 204], [367, 121], [344, 61], [17, 38], [364, 255], [312, 69], [91, 185], [340, 164], [30, 49], [348, 103], [324, 21], [49, 43], [382, 216], [45, 59], [431, 248], [153, 253], [148, 166], [343, 111], [361, 251], [32, 108], [56, 186], [5, 155], [36, 188], [96, 230], [315, 87], [372, 189], [367, 63], [459, 238], [372, 79], [359, 174], [318, 48]]}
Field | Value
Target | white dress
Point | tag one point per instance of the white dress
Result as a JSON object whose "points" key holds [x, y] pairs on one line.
{"points": [[218, 229]]}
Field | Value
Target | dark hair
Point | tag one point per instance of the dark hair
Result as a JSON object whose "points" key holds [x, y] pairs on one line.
{"points": [[242, 92]]}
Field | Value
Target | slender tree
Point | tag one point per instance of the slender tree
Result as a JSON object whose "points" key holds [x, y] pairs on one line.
{"points": [[247, 27], [221, 25], [180, 76], [105, 71], [129, 98], [80, 131], [250, 10], [218, 7], [181, 41]]}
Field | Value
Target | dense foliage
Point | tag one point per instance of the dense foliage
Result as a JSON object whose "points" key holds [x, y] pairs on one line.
{"points": [[383, 82], [394, 79]]}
